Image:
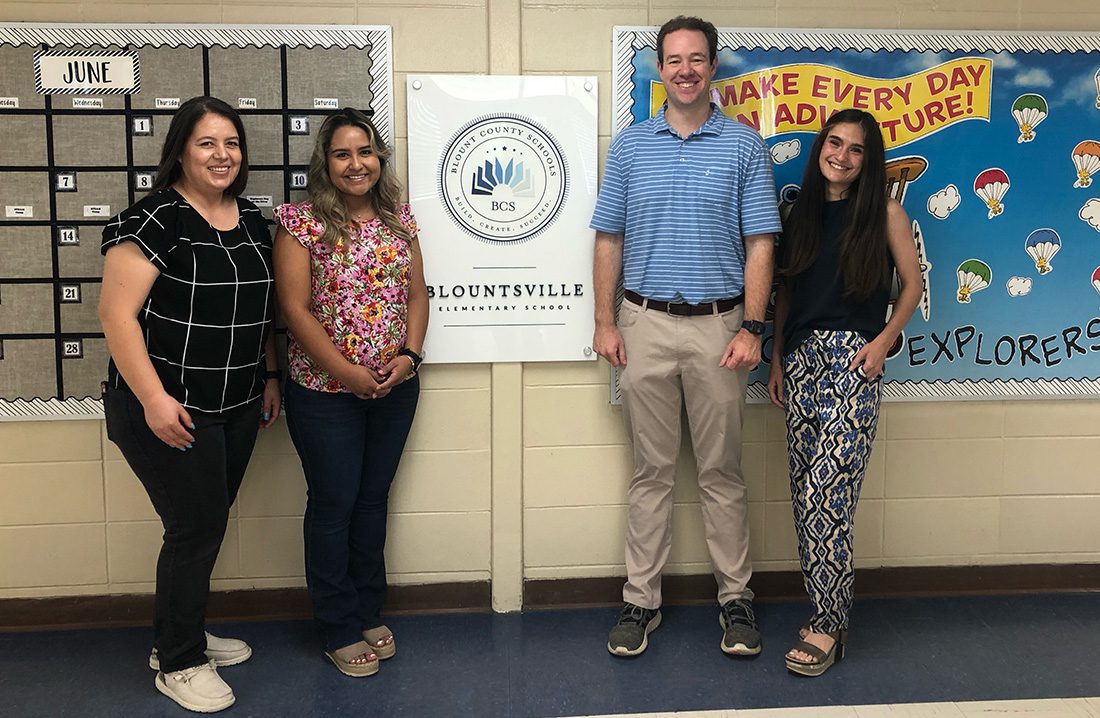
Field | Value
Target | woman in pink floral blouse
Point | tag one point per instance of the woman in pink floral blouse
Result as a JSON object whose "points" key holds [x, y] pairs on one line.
{"points": [[350, 283]]}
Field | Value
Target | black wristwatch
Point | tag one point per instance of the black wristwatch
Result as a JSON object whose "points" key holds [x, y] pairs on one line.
{"points": [[753, 327], [275, 374], [406, 352]]}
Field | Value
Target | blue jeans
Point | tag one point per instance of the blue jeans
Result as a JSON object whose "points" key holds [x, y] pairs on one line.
{"points": [[350, 449]]}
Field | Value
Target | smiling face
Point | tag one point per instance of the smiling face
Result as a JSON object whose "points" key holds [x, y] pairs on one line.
{"points": [[353, 167], [841, 158], [687, 69], [211, 158]]}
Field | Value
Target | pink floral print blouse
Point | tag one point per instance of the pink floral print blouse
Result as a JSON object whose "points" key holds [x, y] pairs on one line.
{"points": [[358, 292]]}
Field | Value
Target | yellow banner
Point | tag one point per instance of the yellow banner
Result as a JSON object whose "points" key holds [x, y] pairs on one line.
{"points": [[801, 97]]}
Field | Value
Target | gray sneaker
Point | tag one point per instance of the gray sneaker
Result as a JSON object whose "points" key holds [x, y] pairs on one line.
{"points": [[629, 637], [742, 635]]}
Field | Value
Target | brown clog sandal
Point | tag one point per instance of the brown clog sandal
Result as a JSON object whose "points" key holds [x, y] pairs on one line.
{"points": [[342, 658], [821, 660], [376, 636]]}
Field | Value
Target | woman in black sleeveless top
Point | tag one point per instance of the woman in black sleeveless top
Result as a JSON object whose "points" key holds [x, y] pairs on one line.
{"points": [[841, 242]]}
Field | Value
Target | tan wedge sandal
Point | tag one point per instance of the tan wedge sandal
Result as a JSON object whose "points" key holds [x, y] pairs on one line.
{"points": [[343, 657], [376, 636]]}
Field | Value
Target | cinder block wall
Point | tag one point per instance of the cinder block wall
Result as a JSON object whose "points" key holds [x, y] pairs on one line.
{"points": [[519, 471]]}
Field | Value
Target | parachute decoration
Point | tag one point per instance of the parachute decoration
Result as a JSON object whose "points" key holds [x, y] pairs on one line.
{"points": [[974, 276], [1086, 158], [1041, 245], [1029, 110], [1096, 279], [990, 186], [787, 197]]}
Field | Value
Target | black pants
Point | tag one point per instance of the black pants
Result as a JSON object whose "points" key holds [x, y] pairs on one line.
{"points": [[191, 491]]}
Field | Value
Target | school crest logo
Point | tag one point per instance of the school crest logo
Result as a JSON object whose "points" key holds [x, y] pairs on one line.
{"points": [[503, 179]]}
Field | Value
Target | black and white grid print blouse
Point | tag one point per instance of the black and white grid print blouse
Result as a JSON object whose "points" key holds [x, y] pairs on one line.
{"points": [[208, 312]]}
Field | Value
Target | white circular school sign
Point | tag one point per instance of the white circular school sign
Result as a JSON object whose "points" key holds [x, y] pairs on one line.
{"points": [[503, 179]]}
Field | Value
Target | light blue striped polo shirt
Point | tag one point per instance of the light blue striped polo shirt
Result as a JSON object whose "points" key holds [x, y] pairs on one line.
{"points": [[684, 205]]}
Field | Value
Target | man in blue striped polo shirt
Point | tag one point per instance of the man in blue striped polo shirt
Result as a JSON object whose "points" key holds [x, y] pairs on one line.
{"points": [[686, 216]]}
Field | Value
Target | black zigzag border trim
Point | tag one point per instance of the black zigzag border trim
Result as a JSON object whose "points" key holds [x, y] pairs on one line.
{"points": [[89, 90], [197, 35]]}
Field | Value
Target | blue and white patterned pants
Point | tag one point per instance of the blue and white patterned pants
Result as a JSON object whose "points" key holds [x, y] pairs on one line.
{"points": [[832, 414]]}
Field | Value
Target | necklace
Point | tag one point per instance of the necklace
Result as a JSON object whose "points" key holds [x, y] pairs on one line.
{"points": [[365, 215]]}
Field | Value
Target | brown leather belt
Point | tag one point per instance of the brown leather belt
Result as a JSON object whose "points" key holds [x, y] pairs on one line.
{"points": [[682, 309]]}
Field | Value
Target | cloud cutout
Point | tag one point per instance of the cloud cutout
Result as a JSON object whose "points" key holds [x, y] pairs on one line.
{"points": [[1091, 213], [1079, 90], [920, 61], [1003, 60], [1018, 286], [944, 202], [786, 151], [1035, 77]]}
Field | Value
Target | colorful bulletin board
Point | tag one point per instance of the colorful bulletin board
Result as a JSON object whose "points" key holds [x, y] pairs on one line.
{"points": [[83, 113], [993, 147]]}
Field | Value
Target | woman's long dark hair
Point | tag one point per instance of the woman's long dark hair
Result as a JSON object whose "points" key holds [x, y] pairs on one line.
{"points": [[864, 264]]}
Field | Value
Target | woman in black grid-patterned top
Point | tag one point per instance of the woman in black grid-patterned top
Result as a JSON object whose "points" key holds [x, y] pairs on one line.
{"points": [[187, 307]]}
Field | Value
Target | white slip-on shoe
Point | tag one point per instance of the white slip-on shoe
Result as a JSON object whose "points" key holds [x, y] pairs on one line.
{"points": [[198, 689], [222, 651]]}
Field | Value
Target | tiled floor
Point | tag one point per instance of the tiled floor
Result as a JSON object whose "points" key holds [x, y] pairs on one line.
{"points": [[947, 657]]}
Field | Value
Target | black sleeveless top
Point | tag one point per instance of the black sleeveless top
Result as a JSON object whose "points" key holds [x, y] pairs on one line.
{"points": [[817, 294]]}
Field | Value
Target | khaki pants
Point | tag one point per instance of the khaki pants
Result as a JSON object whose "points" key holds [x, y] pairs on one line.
{"points": [[672, 361]]}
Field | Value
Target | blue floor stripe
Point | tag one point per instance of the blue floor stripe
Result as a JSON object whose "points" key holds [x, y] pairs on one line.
{"points": [[554, 663]]}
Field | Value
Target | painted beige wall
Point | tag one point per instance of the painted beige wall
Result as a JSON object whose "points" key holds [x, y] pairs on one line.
{"points": [[520, 470]]}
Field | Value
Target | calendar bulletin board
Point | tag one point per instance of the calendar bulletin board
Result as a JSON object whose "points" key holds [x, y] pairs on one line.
{"points": [[83, 114]]}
